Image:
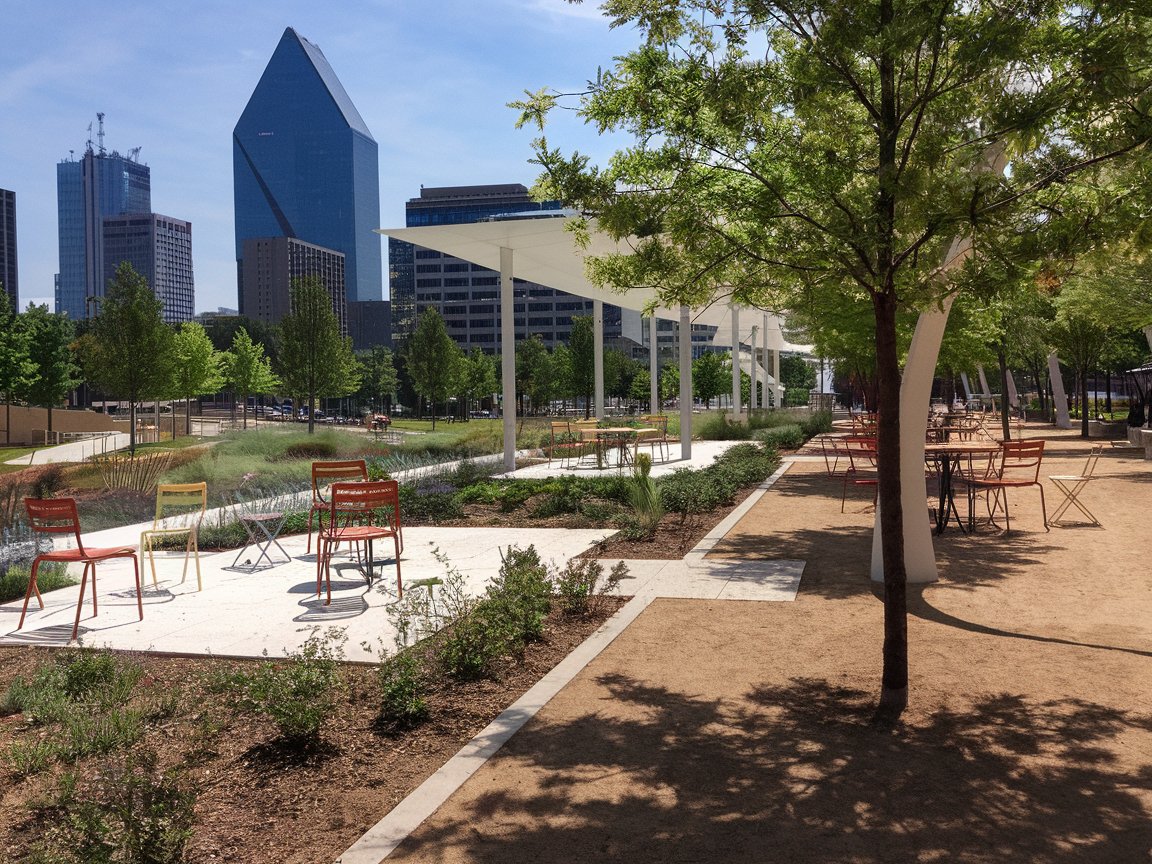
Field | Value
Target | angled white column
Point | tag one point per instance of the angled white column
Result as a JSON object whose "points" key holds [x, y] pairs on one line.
{"points": [[1063, 421], [985, 391], [752, 374], [598, 355], [685, 383], [653, 368], [1013, 396], [508, 359], [967, 386], [736, 407]]}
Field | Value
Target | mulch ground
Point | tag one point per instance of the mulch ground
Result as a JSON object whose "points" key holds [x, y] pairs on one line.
{"points": [[740, 731], [262, 802]]}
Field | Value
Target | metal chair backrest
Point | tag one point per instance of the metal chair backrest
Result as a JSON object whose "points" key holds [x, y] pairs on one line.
{"points": [[834, 450], [182, 499], [1021, 457], [324, 474], [1093, 458], [861, 451], [559, 429], [54, 516], [362, 501]]}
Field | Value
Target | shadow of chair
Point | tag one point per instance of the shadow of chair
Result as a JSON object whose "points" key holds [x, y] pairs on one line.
{"points": [[358, 513], [324, 474], [189, 500], [59, 516]]}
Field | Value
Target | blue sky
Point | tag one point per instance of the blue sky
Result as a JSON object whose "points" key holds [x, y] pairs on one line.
{"points": [[431, 80]]}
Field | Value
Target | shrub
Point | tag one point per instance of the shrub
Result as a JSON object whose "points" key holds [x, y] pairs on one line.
{"points": [[718, 428], [522, 593], [817, 423], [747, 464], [130, 813], [402, 685], [474, 641], [687, 491], [14, 579], [646, 507], [308, 450], [48, 481], [429, 503], [297, 695], [581, 585], [790, 437]]}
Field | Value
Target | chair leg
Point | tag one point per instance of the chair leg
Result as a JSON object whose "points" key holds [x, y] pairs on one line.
{"points": [[80, 602], [196, 552], [187, 555], [32, 589], [139, 587], [399, 582], [308, 548], [1043, 507]]}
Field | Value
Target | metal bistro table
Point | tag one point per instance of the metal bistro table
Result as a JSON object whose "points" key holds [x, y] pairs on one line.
{"points": [[618, 437], [948, 455]]}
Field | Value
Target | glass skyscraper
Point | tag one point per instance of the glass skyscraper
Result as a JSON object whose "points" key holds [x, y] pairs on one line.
{"points": [[305, 165], [8, 268], [100, 184]]}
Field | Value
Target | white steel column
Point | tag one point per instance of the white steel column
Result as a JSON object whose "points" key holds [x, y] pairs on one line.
{"points": [[598, 355], [1059, 397], [967, 387], [777, 387], [1013, 396], [508, 359], [653, 369], [735, 315], [685, 384], [985, 390], [752, 374]]}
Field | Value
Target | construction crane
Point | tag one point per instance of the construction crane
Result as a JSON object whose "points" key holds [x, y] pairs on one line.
{"points": [[100, 131]]}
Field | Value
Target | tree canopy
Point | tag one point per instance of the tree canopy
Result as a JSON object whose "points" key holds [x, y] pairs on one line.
{"points": [[802, 145], [434, 359]]}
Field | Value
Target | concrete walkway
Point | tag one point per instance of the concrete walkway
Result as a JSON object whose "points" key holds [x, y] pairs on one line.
{"points": [[75, 451]]}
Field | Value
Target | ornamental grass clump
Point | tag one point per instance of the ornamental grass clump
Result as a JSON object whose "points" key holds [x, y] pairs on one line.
{"points": [[647, 510]]}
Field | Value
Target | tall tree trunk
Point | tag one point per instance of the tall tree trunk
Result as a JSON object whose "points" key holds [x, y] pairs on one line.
{"points": [[1108, 393], [1002, 359]]}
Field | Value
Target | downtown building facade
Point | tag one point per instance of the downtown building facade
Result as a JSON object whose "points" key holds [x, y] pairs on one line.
{"points": [[467, 296], [305, 170], [104, 211], [9, 275]]}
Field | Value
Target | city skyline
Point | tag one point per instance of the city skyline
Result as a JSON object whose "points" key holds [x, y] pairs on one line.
{"points": [[432, 84]]}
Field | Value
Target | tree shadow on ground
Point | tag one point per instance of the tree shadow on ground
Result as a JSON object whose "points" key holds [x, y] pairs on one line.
{"points": [[795, 773]]}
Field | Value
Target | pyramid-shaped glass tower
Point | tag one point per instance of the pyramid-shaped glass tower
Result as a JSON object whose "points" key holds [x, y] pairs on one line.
{"points": [[306, 166]]}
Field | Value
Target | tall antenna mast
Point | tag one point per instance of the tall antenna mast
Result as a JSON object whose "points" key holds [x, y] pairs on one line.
{"points": [[100, 131]]}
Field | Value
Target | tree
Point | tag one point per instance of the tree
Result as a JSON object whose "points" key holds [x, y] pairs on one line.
{"points": [[247, 371], [865, 146], [798, 378], [128, 351], [669, 382], [196, 367], [49, 348], [641, 387], [434, 359], [479, 378], [17, 371], [710, 376], [315, 360], [581, 346], [562, 372], [534, 371], [378, 378]]}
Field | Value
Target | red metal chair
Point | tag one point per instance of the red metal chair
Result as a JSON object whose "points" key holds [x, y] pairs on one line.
{"points": [[59, 516], [861, 452], [1019, 468], [359, 513]]}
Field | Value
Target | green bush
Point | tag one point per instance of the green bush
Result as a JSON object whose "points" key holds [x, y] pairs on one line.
{"points": [[308, 450], [719, 428], [474, 641], [429, 503], [817, 423], [646, 507], [522, 593], [129, 814], [688, 491], [402, 686], [790, 437], [14, 579], [296, 694], [748, 464], [581, 585]]}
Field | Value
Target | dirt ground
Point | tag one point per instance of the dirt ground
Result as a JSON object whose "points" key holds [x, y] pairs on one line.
{"points": [[715, 731]]}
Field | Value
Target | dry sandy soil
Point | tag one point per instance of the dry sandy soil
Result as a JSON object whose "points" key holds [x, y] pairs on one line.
{"points": [[739, 732]]}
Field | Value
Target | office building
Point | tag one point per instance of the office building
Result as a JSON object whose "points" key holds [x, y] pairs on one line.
{"points": [[8, 269], [97, 185], [159, 248], [305, 167], [269, 265], [370, 324], [467, 295]]}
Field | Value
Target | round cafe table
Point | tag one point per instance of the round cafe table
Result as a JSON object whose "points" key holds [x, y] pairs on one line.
{"points": [[948, 455]]}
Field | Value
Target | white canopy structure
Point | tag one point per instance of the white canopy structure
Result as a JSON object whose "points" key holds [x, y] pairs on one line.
{"points": [[542, 250]]}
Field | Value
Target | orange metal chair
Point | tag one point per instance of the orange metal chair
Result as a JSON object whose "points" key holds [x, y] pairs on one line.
{"points": [[1019, 468], [325, 474], [861, 452], [59, 516], [359, 513]]}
